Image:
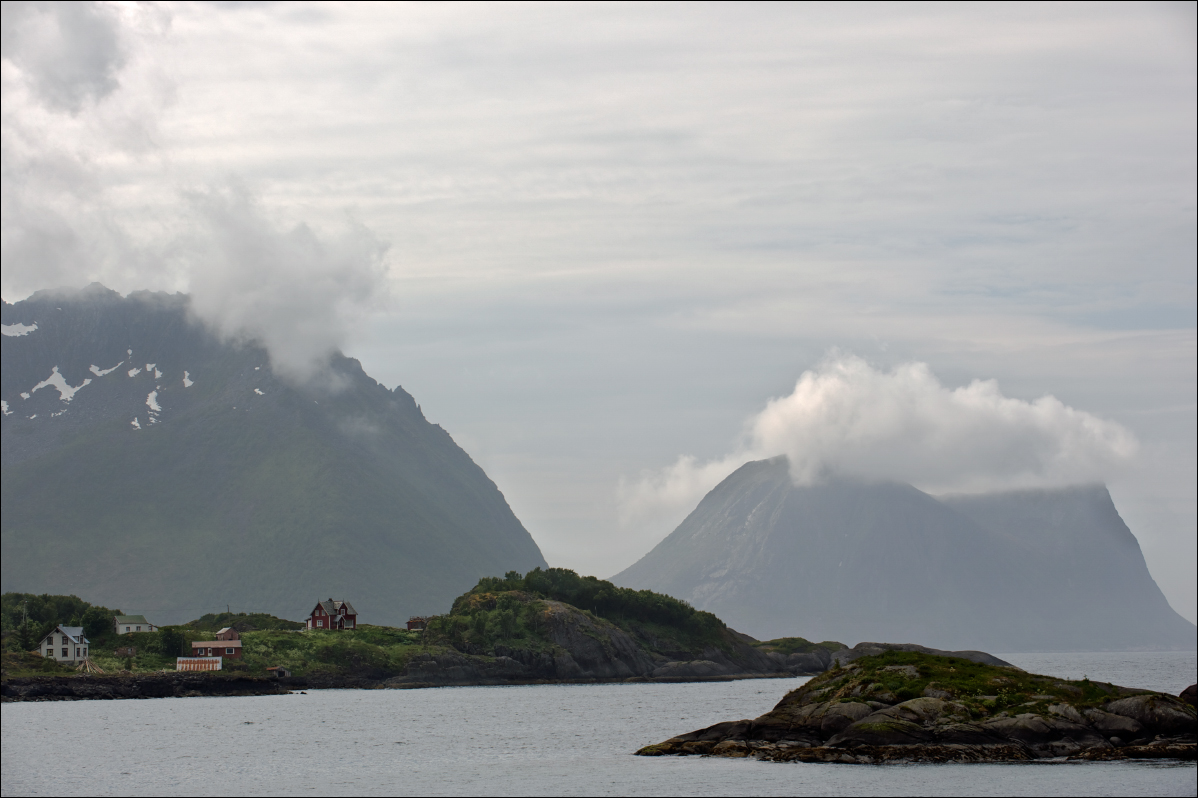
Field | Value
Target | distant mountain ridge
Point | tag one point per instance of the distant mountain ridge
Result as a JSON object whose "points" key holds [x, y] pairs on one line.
{"points": [[148, 464], [1018, 571]]}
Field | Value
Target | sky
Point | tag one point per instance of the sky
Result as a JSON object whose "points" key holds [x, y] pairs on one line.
{"points": [[617, 250]]}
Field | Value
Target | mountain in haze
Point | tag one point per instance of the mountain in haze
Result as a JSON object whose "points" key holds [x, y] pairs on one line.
{"points": [[1043, 570], [148, 465]]}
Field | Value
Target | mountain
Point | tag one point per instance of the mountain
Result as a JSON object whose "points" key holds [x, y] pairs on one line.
{"points": [[147, 464], [1016, 571]]}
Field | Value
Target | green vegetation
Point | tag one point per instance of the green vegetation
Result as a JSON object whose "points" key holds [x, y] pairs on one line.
{"points": [[44, 612], [798, 645], [242, 622], [619, 605], [983, 690], [509, 613]]}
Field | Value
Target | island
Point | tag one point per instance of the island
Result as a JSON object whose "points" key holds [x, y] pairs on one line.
{"points": [[912, 706]]}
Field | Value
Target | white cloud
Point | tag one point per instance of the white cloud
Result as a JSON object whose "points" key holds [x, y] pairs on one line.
{"points": [[846, 418], [294, 290]]}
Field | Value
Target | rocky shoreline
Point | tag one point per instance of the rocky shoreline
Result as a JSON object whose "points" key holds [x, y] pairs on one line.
{"points": [[912, 707], [85, 687]]}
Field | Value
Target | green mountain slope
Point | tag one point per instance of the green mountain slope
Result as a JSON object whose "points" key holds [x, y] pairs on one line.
{"points": [[239, 488]]}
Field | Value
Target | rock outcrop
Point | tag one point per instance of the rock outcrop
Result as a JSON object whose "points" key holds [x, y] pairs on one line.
{"points": [[903, 706], [576, 646], [84, 687]]}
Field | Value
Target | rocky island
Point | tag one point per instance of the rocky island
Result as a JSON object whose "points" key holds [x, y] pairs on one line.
{"points": [[912, 706]]}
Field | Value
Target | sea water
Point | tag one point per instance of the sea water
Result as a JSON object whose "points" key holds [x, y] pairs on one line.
{"points": [[538, 740]]}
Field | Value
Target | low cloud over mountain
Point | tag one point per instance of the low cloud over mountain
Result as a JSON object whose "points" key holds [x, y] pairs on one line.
{"points": [[846, 419]]}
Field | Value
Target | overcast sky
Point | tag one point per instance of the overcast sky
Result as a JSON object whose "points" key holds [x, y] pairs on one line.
{"points": [[595, 242]]}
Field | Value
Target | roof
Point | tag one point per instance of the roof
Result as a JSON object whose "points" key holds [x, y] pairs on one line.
{"points": [[73, 632], [225, 629], [132, 619], [216, 643], [333, 607]]}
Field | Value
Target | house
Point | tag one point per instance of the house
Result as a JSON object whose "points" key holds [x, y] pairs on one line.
{"points": [[278, 671], [228, 633], [197, 663], [64, 644], [333, 615], [217, 648], [127, 624], [417, 623]]}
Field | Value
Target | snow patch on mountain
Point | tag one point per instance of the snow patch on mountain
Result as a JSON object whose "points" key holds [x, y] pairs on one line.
{"points": [[4, 408], [135, 423], [134, 372], [14, 330], [65, 391], [187, 381], [99, 372], [259, 392], [152, 402]]}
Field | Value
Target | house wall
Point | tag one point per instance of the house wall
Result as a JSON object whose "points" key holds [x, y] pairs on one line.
{"points": [[54, 651], [217, 648], [133, 628], [351, 621]]}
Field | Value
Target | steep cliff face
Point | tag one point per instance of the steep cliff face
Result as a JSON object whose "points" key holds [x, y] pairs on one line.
{"points": [[1031, 571], [148, 464]]}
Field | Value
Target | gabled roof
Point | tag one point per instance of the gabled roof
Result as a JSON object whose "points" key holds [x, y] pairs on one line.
{"points": [[333, 607], [73, 632], [132, 619]]}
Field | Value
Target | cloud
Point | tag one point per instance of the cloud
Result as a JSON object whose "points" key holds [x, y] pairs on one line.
{"points": [[847, 419], [294, 290], [84, 91], [70, 52]]}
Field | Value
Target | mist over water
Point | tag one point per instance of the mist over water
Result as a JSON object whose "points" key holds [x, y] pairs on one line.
{"points": [[536, 740]]}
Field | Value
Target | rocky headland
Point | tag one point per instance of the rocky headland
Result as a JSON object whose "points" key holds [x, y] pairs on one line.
{"points": [[911, 706]]}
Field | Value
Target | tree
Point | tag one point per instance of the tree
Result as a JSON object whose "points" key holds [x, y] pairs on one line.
{"points": [[25, 638], [170, 641], [506, 621]]}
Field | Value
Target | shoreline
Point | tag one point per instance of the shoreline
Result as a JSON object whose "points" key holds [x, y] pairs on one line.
{"points": [[96, 687]]}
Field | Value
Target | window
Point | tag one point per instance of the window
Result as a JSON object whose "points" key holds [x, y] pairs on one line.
{"points": [[320, 623], [126, 628], [139, 628], [228, 651], [65, 640], [65, 654], [50, 653]]}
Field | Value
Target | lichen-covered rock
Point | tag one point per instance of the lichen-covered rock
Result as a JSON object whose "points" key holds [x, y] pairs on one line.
{"points": [[995, 714]]}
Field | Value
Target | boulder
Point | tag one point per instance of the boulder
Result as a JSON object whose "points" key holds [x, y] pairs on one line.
{"points": [[1158, 714], [1116, 725], [1190, 695]]}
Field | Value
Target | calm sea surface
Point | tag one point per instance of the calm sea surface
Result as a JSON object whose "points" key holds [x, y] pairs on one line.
{"points": [[575, 740]]}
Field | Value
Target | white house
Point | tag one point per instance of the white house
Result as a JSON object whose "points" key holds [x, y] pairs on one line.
{"points": [[65, 644], [127, 624]]}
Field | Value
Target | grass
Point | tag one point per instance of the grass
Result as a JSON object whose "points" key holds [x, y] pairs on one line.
{"points": [[797, 645], [983, 690]]}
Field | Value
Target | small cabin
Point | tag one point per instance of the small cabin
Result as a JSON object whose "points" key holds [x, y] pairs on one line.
{"points": [[228, 633], [333, 614], [64, 644], [216, 648], [278, 672], [128, 624], [417, 623]]}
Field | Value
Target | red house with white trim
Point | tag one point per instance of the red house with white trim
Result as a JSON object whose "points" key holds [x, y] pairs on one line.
{"points": [[333, 615]]}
